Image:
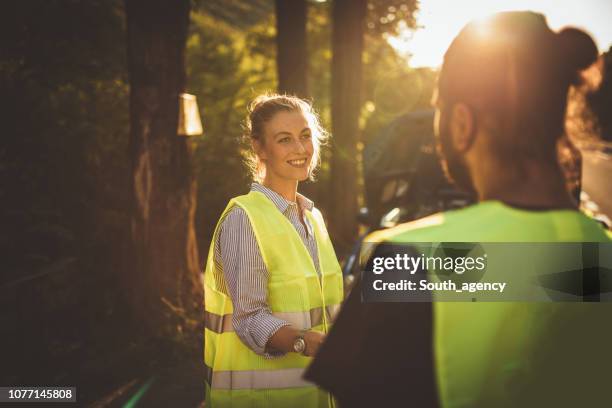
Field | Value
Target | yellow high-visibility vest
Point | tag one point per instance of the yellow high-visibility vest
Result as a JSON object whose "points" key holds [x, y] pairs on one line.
{"points": [[515, 354], [236, 375]]}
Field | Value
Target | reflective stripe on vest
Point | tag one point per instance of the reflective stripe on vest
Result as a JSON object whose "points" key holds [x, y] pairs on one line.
{"points": [[300, 320], [296, 293], [256, 379]]}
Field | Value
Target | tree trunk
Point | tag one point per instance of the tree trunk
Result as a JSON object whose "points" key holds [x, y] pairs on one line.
{"points": [[163, 278], [292, 56], [348, 19], [292, 59]]}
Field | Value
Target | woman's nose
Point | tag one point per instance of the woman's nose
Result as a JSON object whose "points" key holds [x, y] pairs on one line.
{"points": [[300, 147]]}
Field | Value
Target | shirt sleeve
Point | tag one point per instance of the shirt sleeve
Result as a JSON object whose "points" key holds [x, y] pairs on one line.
{"points": [[378, 353], [246, 277]]}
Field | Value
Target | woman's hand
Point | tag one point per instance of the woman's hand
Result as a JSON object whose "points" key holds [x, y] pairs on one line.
{"points": [[284, 338], [313, 341]]}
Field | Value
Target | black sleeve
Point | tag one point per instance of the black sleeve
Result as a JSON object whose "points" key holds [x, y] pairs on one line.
{"points": [[378, 354]]}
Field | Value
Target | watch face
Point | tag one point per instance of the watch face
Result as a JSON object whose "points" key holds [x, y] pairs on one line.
{"points": [[299, 345]]}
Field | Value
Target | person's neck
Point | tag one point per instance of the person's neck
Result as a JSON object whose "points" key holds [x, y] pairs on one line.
{"points": [[538, 187], [285, 188]]}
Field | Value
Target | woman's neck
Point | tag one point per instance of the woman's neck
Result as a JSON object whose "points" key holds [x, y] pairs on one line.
{"points": [[286, 188]]}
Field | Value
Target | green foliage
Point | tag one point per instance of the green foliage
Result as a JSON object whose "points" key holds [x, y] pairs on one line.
{"points": [[227, 67], [240, 14], [64, 162], [390, 87], [64, 165], [385, 16]]}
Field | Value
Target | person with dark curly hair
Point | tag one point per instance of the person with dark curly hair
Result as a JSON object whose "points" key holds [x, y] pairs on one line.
{"points": [[501, 105]]}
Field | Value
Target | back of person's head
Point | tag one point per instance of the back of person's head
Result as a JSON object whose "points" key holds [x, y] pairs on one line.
{"points": [[514, 72]]}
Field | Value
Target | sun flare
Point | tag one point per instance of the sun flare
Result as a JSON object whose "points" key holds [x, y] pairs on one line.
{"points": [[442, 20]]}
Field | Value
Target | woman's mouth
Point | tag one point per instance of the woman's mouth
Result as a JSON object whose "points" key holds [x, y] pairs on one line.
{"points": [[299, 163]]}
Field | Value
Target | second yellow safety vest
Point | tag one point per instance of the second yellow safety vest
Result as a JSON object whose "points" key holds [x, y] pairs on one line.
{"points": [[236, 375], [498, 354]]}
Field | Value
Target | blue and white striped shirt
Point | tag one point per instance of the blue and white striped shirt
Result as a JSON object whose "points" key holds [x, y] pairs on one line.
{"points": [[238, 256]]}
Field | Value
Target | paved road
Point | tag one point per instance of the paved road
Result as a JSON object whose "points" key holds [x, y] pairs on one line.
{"points": [[597, 179]]}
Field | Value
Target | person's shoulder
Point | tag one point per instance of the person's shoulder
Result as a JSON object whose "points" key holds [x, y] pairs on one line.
{"points": [[415, 228], [488, 221], [243, 199], [235, 212], [240, 207], [234, 218], [432, 227], [593, 228]]}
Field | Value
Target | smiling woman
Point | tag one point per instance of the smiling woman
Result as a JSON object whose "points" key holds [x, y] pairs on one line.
{"points": [[294, 133], [272, 280]]}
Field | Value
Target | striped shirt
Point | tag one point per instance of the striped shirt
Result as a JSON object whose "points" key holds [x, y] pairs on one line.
{"points": [[238, 256]]}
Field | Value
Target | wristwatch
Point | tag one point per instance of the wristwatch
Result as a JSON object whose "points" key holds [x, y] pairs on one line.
{"points": [[299, 344]]}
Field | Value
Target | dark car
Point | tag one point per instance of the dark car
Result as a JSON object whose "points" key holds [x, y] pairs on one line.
{"points": [[403, 178]]}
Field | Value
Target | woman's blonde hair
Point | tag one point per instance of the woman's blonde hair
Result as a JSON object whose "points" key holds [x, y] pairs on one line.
{"points": [[261, 110]]}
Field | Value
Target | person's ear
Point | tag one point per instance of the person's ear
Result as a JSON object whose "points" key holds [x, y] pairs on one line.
{"points": [[462, 127], [258, 149]]}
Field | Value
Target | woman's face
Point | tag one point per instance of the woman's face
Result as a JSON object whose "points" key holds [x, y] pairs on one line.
{"points": [[288, 148]]}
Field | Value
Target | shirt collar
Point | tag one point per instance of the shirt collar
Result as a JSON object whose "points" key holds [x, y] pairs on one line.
{"points": [[305, 202], [281, 202]]}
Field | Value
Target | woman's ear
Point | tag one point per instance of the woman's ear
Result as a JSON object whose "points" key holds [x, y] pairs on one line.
{"points": [[462, 127], [258, 149]]}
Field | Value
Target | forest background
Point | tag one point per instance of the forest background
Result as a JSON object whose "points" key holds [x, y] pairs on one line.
{"points": [[75, 309]]}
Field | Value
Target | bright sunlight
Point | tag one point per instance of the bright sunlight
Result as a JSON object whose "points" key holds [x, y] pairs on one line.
{"points": [[441, 20]]}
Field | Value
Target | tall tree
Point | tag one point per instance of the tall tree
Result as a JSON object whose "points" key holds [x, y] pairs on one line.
{"points": [[348, 20], [292, 56], [163, 277], [292, 59]]}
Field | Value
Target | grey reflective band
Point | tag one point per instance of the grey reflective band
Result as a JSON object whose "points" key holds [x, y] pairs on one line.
{"points": [[207, 374], [301, 320], [218, 323], [332, 311], [257, 379]]}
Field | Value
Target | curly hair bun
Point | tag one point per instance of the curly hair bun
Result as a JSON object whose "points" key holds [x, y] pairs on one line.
{"points": [[577, 49]]}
